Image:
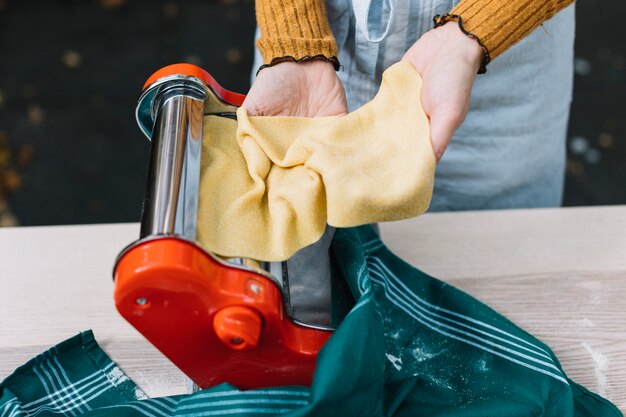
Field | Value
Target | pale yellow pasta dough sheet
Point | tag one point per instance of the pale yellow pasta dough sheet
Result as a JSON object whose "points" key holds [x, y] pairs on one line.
{"points": [[269, 185]]}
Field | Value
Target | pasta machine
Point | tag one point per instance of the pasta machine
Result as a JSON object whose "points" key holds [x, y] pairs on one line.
{"points": [[247, 322]]}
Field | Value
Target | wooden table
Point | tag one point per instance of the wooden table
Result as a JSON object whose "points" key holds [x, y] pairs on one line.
{"points": [[558, 273]]}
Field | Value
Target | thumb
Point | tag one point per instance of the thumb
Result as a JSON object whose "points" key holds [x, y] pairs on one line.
{"points": [[443, 124], [251, 106]]}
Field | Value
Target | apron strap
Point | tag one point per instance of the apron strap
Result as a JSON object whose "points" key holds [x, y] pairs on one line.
{"points": [[373, 19]]}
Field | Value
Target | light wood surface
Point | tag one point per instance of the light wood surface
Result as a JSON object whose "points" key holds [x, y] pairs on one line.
{"points": [[559, 273]]}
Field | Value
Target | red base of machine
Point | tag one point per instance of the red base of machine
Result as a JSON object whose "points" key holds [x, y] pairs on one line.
{"points": [[216, 323]]}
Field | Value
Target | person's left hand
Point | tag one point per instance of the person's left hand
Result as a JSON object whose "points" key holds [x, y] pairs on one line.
{"points": [[448, 61]]}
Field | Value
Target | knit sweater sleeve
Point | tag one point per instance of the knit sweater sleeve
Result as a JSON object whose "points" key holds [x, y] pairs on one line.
{"points": [[299, 29], [295, 30], [500, 24]]}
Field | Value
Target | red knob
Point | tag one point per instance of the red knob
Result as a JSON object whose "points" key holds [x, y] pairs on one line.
{"points": [[238, 327]]}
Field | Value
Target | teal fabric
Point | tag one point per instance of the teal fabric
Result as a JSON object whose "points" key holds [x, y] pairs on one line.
{"points": [[411, 346]]}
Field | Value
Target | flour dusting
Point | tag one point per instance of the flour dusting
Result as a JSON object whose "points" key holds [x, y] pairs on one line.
{"points": [[596, 298], [139, 394], [116, 376], [481, 365], [600, 365], [396, 362], [395, 335], [421, 354], [586, 323]]}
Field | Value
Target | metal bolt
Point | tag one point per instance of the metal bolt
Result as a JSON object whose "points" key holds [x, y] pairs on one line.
{"points": [[236, 340], [142, 301], [255, 288]]}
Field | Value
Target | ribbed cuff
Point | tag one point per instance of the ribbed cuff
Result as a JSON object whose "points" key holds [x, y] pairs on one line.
{"points": [[499, 24], [331, 60], [442, 20], [296, 30]]}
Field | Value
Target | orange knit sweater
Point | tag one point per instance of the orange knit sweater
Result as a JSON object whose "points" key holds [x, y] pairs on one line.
{"points": [[299, 29]]}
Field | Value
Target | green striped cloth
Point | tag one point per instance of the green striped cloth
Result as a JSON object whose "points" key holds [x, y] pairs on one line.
{"points": [[411, 346]]}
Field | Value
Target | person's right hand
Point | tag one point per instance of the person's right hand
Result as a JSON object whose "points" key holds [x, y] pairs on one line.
{"points": [[307, 89], [448, 60]]}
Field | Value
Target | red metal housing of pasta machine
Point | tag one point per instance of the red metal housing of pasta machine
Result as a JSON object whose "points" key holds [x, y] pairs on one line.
{"points": [[219, 320]]}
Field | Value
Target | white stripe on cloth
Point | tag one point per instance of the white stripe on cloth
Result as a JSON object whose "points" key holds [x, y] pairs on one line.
{"points": [[386, 273], [105, 385], [362, 281], [57, 384], [63, 399], [540, 350], [170, 400], [99, 374], [144, 405], [15, 412], [264, 401], [134, 407], [68, 382], [401, 297], [43, 382], [375, 242], [264, 393], [374, 248], [393, 297], [242, 410], [365, 299], [10, 408], [148, 404], [76, 398], [434, 316]]}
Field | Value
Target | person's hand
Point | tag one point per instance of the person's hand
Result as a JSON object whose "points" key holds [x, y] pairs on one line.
{"points": [[307, 89], [448, 61]]}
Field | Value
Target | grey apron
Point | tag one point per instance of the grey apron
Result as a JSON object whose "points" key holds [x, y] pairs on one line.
{"points": [[509, 152]]}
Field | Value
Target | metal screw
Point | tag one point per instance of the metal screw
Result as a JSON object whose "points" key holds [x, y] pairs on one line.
{"points": [[236, 340], [255, 288], [142, 301]]}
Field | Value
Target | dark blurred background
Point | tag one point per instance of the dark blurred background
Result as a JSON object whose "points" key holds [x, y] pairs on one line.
{"points": [[71, 71]]}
